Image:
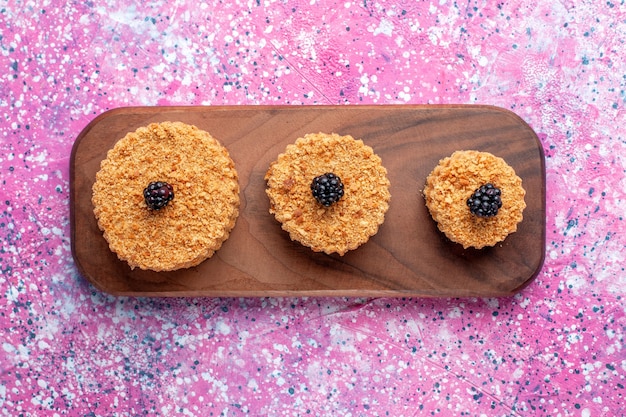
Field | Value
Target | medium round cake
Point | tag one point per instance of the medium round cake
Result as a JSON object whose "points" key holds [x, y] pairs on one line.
{"points": [[475, 197], [329, 192], [166, 197]]}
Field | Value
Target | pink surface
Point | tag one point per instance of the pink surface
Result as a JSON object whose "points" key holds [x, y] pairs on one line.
{"points": [[555, 349]]}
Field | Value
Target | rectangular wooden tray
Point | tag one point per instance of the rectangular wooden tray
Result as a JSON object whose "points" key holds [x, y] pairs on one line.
{"points": [[408, 256]]}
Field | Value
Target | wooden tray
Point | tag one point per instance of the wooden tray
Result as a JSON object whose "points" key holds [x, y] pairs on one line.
{"points": [[408, 256]]}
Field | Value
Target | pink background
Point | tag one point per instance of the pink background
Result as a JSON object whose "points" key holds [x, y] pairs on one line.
{"points": [[555, 349]]}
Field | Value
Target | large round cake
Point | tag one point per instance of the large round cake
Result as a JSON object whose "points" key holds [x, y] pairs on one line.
{"points": [[461, 184], [197, 207], [339, 223]]}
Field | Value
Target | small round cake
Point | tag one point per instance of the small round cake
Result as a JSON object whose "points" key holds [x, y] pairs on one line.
{"points": [[166, 196], [330, 192], [475, 197]]}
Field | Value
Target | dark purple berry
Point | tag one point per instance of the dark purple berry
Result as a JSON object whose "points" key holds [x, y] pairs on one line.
{"points": [[327, 189], [485, 201], [157, 194]]}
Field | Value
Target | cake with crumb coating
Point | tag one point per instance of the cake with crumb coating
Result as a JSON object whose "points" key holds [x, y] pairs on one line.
{"points": [[475, 198], [166, 196], [329, 192]]}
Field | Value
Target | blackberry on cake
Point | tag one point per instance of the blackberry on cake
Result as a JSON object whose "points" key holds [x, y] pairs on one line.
{"points": [[327, 189], [485, 201], [158, 194]]}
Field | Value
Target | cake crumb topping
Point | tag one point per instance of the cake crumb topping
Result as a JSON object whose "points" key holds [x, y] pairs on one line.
{"points": [[453, 181], [194, 224], [348, 222]]}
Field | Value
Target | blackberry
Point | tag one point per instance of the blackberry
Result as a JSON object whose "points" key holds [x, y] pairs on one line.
{"points": [[327, 189], [157, 194], [485, 201]]}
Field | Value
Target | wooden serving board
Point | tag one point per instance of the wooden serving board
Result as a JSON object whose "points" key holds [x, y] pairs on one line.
{"points": [[408, 256]]}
